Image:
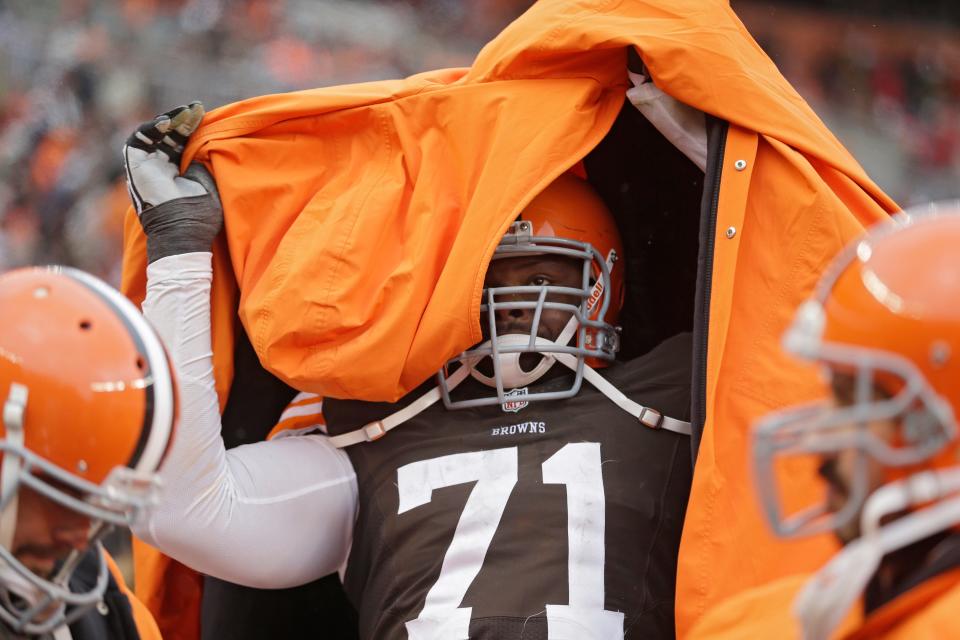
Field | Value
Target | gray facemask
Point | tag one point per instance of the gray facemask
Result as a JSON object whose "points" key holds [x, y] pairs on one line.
{"points": [[498, 362]]}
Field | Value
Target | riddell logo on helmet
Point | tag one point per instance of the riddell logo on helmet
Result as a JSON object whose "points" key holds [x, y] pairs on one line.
{"points": [[595, 294], [515, 405]]}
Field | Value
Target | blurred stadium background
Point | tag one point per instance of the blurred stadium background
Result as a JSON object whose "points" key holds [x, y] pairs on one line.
{"points": [[77, 75]]}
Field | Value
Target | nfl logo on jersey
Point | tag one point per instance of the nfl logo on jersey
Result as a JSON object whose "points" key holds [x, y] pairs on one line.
{"points": [[515, 405]]}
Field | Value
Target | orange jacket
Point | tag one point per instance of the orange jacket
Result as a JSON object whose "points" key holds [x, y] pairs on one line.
{"points": [[927, 612], [146, 626], [360, 220]]}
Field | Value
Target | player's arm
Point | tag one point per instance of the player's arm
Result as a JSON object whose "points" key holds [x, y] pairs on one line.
{"points": [[269, 515]]}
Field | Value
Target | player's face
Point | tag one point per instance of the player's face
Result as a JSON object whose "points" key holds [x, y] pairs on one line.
{"points": [[837, 469], [46, 532], [534, 271]]}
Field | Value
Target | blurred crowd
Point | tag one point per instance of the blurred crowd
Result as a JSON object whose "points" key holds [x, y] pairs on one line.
{"points": [[78, 75], [914, 95], [894, 83]]}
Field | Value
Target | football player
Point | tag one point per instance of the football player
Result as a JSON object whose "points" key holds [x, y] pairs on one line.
{"points": [[885, 327], [504, 499], [88, 405]]}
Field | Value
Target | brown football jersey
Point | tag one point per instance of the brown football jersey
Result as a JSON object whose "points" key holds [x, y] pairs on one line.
{"points": [[555, 519]]}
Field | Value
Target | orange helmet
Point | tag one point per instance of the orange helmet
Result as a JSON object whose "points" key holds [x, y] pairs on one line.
{"points": [[570, 208], [89, 406], [887, 314], [566, 219]]}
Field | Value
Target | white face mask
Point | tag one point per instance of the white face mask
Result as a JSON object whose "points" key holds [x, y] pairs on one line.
{"points": [[36, 606], [40, 602], [827, 597], [816, 429], [18, 585]]}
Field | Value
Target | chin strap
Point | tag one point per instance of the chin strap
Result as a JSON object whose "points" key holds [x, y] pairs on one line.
{"points": [[378, 428], [13, 410], [648, 417], [828, 596], [645, 415]]}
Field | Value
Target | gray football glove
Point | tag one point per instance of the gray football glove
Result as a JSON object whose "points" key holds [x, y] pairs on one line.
{"points": [[179, 214]]}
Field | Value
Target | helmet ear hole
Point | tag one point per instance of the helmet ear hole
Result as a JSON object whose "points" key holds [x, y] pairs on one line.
{"points": [[86, 325], [140, 364]]}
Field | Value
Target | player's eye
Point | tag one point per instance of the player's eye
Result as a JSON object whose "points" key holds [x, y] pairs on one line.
{"points": [[540, 281]]}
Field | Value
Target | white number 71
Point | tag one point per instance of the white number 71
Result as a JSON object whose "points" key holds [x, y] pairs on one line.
{"points": [[577, 466]]}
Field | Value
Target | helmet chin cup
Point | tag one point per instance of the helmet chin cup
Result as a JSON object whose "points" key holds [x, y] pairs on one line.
{"points": [[507, 365]]}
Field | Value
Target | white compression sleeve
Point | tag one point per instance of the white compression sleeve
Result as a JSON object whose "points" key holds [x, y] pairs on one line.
{"points": [[272, 514]]}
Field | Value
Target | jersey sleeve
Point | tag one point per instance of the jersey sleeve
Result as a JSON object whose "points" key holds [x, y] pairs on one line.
{"points": [[303, 415], [270, 515]]}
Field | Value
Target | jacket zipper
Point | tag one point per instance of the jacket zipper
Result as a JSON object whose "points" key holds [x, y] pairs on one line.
{"points": [[716, 144]]}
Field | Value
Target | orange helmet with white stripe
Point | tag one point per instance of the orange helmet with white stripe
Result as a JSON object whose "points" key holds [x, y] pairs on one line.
{"points": [[887, 317], [89, 406]]}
